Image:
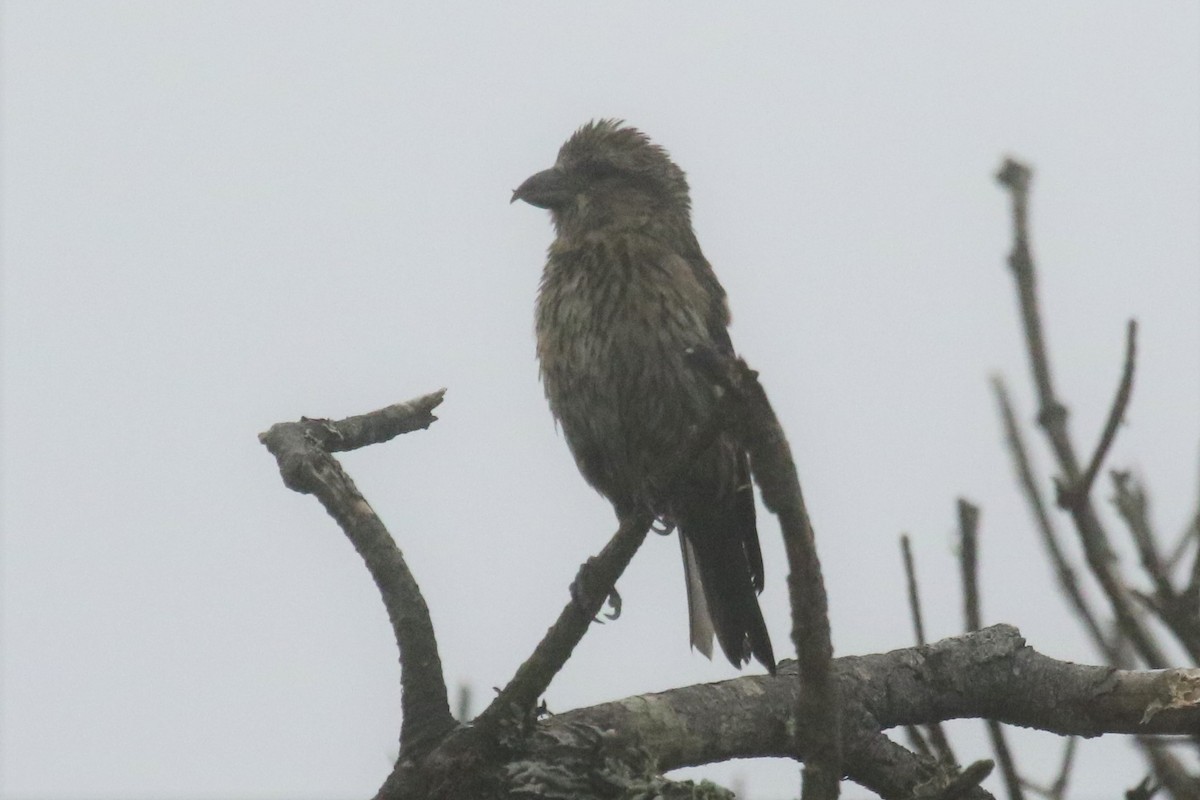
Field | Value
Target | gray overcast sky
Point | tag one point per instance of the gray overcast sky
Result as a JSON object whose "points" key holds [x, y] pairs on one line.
{"points": [[221, 215]]}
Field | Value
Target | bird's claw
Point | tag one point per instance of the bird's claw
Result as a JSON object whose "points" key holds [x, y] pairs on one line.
{"points": [[581, 596], [614, 602]]}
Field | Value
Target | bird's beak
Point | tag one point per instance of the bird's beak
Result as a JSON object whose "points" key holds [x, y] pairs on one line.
{"points": [[550, 188]]}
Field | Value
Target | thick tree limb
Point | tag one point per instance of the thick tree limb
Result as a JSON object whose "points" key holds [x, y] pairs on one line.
{"points": [[988, 674], [302, 450]]}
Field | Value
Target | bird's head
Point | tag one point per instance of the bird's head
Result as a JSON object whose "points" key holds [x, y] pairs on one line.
{"points": [[608, 174]]}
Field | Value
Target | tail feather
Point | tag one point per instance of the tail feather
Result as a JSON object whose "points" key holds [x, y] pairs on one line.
{"points": [[723, 567], [700, 626]]}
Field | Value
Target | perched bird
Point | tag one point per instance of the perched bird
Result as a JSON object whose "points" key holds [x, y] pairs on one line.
{"points": [[625, 294]]}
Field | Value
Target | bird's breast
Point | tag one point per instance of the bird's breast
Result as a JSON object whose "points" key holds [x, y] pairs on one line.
{"points": [[613, 325]]}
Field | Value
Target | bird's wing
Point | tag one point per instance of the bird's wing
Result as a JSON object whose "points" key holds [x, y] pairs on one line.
{"points": [[718, 313]]}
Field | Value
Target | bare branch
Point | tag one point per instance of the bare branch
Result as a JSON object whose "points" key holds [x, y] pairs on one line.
{"points": [[1188, 538], [1053, 419], [887, 769], [968, 556], [917, 742], [775, 473], [968, 779], [914, 597], [302, 452], [1179, 611], [968, 553], [1115, 414], [593, 585], [1058, 789], [1131, 503], [599, 574], [1067, 579], [383, 425], [937, 736], [989, 673], [1169, 772]]}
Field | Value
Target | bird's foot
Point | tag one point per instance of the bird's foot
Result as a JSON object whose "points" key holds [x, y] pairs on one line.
{"points": [[663, 527], [582, 595]]}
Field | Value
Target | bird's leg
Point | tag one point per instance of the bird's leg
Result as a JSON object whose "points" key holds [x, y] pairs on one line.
{"points": [[584, 589], [663, 526]]}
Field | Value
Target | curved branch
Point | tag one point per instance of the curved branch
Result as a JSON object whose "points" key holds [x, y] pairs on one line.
{"points": [[302, 450], [774, 471]]}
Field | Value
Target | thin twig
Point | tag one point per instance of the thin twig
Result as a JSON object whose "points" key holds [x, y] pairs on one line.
{"points": [[1115, 414], [917, 741], [1067, 579], [1189, 537], [599, 575], [877, 763], [1132, 504], [1052, 417], [302, 450], [968, 527], [1177, 610], [914, 598], [462, 711], [968, 779], [937, 736], [1058, 789], [968, 556], [1193, 587], [1169, 772]]}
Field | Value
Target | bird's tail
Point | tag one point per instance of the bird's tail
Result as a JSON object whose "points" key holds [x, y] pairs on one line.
{"points": [[723, 568]]}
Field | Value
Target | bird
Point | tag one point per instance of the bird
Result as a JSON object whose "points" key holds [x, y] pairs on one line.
{"points": [[625, 295]]}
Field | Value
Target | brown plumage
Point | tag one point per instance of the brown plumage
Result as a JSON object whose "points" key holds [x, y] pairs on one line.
{"points": [[625, 293]]}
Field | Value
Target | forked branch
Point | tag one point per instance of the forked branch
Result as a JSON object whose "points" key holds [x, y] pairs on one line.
{"points": [[1016, 177]]}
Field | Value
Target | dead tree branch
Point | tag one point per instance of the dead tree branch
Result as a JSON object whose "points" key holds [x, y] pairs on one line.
{"points": [[988, 674], [1052, 417], [596, 581], [1067, 578], [775, 473], [937, 735], [1115, 415], [968, 554], [302, 450], [599, 575]]}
